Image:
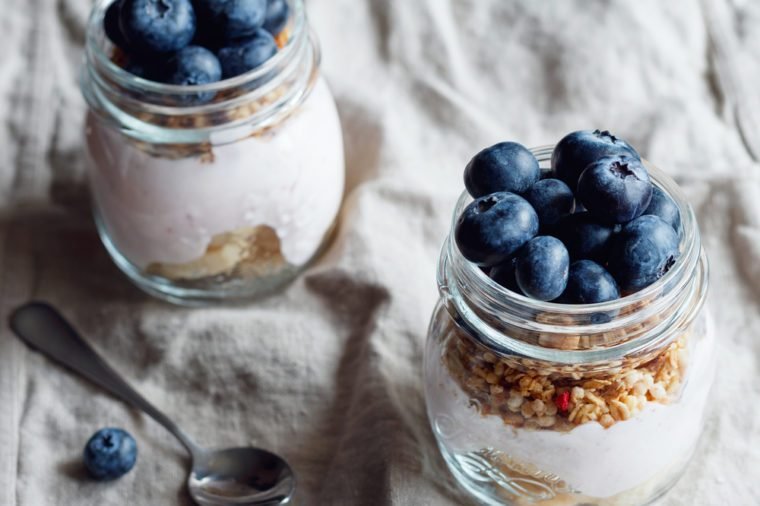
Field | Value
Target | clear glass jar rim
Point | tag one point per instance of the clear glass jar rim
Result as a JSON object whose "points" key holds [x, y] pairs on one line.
{"points": [[686, 261], [124, 78]]}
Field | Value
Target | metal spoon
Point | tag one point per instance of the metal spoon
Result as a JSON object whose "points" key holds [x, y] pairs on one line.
{"points": [[221, 477]]}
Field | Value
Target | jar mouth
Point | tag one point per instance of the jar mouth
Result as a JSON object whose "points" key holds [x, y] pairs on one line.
{"points": [[689, 245], [98, 46], [167, 118], [483, 305]]}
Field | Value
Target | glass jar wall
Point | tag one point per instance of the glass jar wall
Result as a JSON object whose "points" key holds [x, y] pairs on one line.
{"points": [[542, 403], [224, 197]]}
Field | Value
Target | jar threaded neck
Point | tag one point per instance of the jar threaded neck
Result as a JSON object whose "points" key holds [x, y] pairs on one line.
{"points": [[155, 112]]}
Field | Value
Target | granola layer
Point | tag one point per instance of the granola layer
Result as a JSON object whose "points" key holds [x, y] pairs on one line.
{"points": [[536, 398]]}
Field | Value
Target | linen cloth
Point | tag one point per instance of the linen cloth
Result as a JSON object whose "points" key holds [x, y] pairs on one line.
{"points": [[328, 372]]}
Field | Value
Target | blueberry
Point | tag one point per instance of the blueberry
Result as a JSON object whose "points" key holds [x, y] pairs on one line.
{"points": [[247, 54], [643, 252], [584, 237], [157, 26], [504, 167], [542, 268], [193, 65], [232, 19], [505, 275], [493, 227], [589, 283], [665, 207], [552, 199], [110, 453], [615, 189], [277, 16], [578, 149], [111, 25], [190, 66]]}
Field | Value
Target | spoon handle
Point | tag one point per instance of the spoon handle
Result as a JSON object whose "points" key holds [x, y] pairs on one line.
{"points": [[43, 328]]}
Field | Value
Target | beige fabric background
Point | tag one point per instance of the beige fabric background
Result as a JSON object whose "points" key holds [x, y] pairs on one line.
{"points": [[328, 372]]}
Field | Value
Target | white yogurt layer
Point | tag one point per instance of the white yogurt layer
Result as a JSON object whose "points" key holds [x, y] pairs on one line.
{"points": [[167, 211], [595, 461]]}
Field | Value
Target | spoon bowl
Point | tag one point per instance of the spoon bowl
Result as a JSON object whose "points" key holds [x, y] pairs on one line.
{"points": [[240, 476]]}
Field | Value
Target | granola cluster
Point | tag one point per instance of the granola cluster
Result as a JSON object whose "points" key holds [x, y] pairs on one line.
{"points": [[535, 398]]}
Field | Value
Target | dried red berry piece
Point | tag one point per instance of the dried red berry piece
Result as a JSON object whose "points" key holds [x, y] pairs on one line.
{"points": [[563, 401]]}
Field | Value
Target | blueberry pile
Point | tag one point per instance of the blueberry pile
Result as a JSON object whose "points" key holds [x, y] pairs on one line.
{"points": [[192, 42], [110, 453], [592, 229]]}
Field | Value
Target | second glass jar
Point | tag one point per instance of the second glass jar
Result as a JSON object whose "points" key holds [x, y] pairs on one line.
{"points": [[226, 197]]}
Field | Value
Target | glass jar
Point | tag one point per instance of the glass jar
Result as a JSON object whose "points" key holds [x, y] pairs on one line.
{"points": [[541, 403], [225, 197]]}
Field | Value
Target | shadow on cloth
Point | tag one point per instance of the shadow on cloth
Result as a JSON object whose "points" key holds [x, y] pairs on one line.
{"points": [[384, 442], [58, 255]]}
